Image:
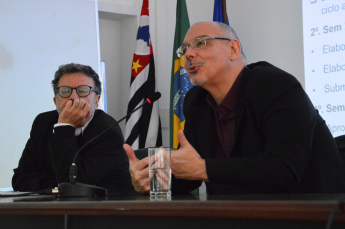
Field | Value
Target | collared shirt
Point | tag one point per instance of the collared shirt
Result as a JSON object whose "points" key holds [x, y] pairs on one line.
{"points": [[225, 119], [78, 131]]}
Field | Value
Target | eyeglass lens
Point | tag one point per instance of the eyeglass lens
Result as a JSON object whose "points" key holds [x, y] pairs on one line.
{"points": [[197, 43]]}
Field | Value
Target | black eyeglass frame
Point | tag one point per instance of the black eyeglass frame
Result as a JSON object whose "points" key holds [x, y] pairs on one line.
{"points": [[180, 54], [76, 89]]}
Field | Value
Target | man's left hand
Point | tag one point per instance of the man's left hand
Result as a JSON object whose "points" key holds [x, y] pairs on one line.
{"points": [[186, 163]]}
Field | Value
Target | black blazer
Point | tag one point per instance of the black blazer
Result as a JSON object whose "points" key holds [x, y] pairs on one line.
{"points": [[282, 145], [46, 159]]}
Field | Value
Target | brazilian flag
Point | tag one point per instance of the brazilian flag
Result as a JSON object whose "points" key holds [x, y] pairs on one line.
{"points": [[180, 83]]}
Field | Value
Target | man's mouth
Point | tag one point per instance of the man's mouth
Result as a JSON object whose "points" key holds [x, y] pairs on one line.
{"points": [[193, 67]]}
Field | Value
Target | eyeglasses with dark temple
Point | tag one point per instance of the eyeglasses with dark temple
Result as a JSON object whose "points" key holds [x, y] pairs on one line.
{"points": [[82, 91]]}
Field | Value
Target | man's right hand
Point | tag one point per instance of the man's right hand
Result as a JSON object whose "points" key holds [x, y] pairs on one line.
{"points": [[75, 112], [139, 171]]}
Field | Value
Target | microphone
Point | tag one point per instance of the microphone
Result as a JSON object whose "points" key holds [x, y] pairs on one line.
{"points": [[74, 188]]}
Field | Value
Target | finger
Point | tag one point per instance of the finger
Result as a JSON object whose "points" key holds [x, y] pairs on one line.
{"points": [[82, 104], [143, 186], [163, 178], [143, 165], [86, 109], [130, 153], [182, 138], [161, 159], [146, 187], [69, 104], [66, 109], [161, 174], [76, 103], [155, 160]]}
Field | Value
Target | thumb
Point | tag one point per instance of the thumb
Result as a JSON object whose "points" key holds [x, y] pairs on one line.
{"points": [[130, 153], [182, 138]]}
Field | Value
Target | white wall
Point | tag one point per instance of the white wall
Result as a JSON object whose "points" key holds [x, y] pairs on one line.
{"points": [[35, 38], [271, 31], [110, 54], [117, 48]]}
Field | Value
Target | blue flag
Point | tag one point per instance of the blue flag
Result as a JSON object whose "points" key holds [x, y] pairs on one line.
{"points": [[218, 12]]}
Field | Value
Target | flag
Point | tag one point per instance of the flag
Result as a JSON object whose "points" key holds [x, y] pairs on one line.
{"points": [[143, 127], [218, 11], [180, 82]]}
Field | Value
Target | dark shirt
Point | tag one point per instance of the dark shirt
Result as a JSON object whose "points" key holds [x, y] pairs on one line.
{"points": [[224, 116]]}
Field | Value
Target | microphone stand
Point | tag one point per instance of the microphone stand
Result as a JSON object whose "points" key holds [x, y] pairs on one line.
{"points": [[74, 188]]}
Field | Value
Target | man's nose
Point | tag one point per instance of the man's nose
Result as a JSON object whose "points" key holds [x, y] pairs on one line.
{"points": [[190, 53], [74, 94]]}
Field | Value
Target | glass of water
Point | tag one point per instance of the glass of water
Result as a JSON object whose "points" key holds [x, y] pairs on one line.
{"points": [[159, 171]]}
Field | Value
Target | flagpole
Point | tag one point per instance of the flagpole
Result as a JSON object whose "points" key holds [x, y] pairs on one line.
{"points": [[224, 11]]}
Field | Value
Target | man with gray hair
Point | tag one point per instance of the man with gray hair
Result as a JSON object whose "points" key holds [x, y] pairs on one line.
{"points": [[248, 128], [57, 135]]}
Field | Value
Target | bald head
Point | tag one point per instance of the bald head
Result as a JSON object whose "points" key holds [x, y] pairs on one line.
{"points": [[220, 29], [212, 55]]}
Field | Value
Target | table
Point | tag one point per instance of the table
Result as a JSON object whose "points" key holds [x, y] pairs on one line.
{"points": [[139, 211]]}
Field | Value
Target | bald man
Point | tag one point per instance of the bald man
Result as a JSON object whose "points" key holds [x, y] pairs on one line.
{"points": [[248, 129]]}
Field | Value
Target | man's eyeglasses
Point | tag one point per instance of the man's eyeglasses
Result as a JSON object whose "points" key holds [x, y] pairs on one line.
{"points": [[196, 44], [82, 91]]}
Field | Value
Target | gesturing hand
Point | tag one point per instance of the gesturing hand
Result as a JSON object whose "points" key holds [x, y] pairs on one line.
{"points": [[139, 171], [75, 112], [186, 163]]}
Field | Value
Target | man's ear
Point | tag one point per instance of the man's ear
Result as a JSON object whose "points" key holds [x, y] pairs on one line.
{"points": [[97, 100], [54, 100], [235, 49]]}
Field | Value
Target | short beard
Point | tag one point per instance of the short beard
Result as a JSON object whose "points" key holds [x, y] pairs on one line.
{"points": [[195, 83], [57, 108]]}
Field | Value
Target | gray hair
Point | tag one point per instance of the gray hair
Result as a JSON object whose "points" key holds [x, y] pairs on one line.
{"points": [[231, 33], [76, 68]]}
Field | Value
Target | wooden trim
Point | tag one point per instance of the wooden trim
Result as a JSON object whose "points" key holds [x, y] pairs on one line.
{"points": [[269, 210]]}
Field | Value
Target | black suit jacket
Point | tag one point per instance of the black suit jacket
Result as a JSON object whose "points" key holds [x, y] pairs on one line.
{"points": [[282, 145], [46, 159]]}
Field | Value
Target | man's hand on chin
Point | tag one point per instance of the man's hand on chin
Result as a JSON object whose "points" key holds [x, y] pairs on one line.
{"points": [[76, 113], [186, 163]]}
